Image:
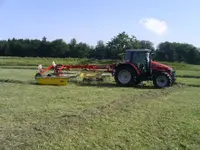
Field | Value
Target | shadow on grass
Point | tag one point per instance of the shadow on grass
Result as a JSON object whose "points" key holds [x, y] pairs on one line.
{"points": [[108, 85], [17, 81], [78, 83]]}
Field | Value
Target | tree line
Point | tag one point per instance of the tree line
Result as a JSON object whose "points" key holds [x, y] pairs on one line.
{"points": [[113, 49]]}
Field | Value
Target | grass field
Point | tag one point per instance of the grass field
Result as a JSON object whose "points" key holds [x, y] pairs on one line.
{"points": [[97, 116], [31, 61]]}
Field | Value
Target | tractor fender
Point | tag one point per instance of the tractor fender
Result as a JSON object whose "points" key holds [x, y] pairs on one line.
{"points": [[133, 66], [156, 72]]}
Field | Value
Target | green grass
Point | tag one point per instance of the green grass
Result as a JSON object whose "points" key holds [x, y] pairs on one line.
{"points": [[97, 116], [189, 81], [18, 74], [19, 67], [183, 66], [188, 73], [34, 61]]}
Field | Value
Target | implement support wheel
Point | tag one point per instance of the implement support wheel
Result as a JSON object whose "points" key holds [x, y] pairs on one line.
{"points": [[37, 75]]}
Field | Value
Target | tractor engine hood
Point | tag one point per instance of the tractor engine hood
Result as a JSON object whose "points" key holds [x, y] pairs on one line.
{"points": [[159, 66]]}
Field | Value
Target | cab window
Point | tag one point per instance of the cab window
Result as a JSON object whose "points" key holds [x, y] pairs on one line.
{"points": [[139, 57]]}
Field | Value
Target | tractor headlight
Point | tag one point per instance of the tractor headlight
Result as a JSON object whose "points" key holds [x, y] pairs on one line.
{"points": [[171, 70]]}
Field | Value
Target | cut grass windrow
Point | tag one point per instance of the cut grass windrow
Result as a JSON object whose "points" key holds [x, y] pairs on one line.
{"points": [[188, 76]]}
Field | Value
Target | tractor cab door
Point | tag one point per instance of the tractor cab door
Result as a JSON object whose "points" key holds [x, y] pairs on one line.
{"points": [[141, 60]]}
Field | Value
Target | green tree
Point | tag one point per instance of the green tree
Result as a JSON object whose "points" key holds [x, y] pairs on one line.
{"points": [[166, 51], [121, 42], [144, 44], [58, 48], [100, 51]]}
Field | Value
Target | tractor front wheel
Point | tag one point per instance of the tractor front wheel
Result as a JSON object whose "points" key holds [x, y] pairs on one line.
{"points": [[162, 80]]}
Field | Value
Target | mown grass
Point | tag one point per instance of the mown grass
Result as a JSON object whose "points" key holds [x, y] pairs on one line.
{"points": [[25, 106], [146, 121], [97, 116], [189, 81]]}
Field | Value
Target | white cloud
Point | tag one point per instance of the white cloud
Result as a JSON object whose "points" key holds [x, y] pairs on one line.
{"points": [[157, 26]]}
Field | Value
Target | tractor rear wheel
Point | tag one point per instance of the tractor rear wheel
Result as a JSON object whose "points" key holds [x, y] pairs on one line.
{"points": [[125, 76], [162, 80]]}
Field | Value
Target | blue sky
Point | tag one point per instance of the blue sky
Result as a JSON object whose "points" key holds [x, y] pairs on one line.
{"points": [[93, 20]]}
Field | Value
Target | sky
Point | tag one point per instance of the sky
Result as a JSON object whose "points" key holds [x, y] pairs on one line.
{"points": [[92, 20]]}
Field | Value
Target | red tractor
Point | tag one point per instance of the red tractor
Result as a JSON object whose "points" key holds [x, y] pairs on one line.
{"points": [[138, 67]]}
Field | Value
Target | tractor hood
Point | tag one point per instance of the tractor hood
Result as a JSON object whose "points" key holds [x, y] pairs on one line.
{"points": [[159, 66]]}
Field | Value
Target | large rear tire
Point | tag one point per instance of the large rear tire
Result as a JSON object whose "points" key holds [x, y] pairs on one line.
{"points": [[162, 80], [126, 76]]}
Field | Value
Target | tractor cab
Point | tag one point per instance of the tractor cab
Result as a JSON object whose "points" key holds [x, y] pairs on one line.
{"points": [[139, 57]]}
